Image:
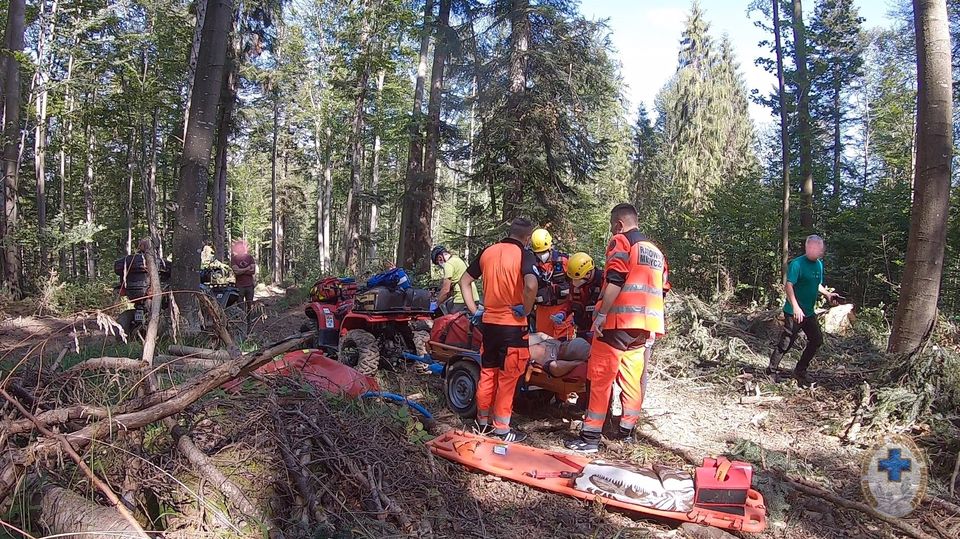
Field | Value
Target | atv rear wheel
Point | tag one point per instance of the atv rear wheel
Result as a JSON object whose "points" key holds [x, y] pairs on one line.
{"points": [[460, 388], [359, 349]]}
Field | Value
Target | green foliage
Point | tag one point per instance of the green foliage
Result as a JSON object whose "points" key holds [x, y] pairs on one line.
{"points": [[705, 126]]}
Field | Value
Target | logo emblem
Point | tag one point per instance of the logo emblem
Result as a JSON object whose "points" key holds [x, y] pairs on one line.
{"points": [[893, 476]]}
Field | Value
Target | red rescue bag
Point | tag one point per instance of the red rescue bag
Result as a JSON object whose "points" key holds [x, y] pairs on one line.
{"points": [[456, 330]]}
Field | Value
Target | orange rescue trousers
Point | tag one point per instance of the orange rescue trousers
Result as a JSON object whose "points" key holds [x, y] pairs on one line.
{"points": [[497, 387], [606, 365]]}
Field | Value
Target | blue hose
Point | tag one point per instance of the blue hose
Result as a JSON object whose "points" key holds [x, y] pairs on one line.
{"points": [[435, 367], [397, 398]]}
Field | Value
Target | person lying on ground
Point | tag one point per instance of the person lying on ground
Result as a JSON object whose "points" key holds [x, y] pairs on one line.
{"points": [[560, 359]]}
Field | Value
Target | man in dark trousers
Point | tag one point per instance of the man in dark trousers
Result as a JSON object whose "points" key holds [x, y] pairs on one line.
{"points": [[804, 285], [509, 274]]}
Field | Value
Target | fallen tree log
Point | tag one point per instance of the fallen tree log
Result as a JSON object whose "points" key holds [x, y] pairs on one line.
{"points": [[198, 459], [62, 511], [186, 362], [191, 351], [154, 407], [68, 448], [54, 417], [115, 363]]}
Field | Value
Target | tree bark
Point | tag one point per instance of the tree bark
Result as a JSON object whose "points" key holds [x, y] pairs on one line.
{"points": [[274, 224], [519, 45], [351, 236], [10, 71], [201, 7], [224, 129], [803, 118], [375, 176], [188, 239], [784, 148], [920, 288], [149, 181], [88, 200], [40, 81], [63, 511], [837, 149], [131, 166], [415, 151], [420, 239]]}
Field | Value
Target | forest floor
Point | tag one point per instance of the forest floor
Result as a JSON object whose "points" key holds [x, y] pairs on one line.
{"points": [[693, 410]]}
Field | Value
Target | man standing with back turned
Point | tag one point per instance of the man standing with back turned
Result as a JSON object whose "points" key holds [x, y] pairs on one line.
{"points": [[804, 284], [509, 277], [629, 313]]}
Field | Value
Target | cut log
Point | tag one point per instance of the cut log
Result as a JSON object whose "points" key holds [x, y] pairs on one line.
{"points": [[115, 363], [185, 362], [839, 320], [62, 511], [206, 353]]}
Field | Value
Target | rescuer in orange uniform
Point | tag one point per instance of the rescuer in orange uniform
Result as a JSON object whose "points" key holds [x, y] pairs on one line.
{"points": [[630, 311], [509, 275], [553, 292]]}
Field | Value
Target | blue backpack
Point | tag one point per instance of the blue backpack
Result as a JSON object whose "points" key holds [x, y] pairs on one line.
{"points": [[393, 278]]}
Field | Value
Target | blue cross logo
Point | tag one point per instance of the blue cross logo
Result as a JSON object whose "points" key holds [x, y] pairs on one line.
{"points": [[894, 465]]}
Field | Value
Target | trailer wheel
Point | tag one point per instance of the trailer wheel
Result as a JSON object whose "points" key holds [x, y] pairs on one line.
{"points": [[460, 388]]}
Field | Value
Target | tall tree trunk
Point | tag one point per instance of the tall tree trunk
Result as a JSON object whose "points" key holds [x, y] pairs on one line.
{"points": [[375, 174], [66, 140], [224, 128], [149, 181], [10, 71], [351, 236], [131, 166], [41, 80], [422, 241], [803, 118], [327, 200], [274, 223], [519, 45], [88, 200], [415, 151], [188, 239], [920, 289], [784, 148], [201, 8], [837, 149]]}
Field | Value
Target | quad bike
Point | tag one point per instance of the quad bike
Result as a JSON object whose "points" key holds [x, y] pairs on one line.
{"points": [[372, 328], [217, 281], [455, 342]]}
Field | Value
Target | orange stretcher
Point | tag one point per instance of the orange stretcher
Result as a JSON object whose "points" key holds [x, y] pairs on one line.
{"points": [[555, 472]]}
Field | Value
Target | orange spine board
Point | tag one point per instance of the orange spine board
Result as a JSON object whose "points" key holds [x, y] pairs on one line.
{"points": [[522, 463]]}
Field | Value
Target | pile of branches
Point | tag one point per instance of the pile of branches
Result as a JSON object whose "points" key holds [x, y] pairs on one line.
{"points": [[352, 467], [47, 441]]}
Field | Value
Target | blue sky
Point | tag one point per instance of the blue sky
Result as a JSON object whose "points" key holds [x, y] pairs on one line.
{"points": [[646, 34]]}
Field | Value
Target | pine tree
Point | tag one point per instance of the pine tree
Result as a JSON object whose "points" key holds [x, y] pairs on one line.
{"points": [[707, 130], [645, 145], [836, 40]]}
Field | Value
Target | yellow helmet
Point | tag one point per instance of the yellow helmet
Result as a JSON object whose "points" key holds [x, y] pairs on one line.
{"points": [[541, 240], [579, 265]]}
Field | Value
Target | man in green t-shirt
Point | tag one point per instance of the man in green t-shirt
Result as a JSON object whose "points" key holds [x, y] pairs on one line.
{"points": [[450, 299], [804, 285]]}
